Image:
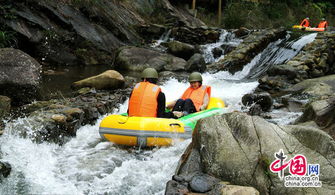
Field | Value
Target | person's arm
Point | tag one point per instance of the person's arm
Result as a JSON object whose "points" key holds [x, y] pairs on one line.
{"points": [[205, 103]]}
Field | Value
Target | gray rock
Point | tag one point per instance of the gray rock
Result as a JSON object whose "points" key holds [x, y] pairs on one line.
{"points": [[263, 99], [196, 63], [322, 113], [5, 169], [203, 183], [179, 49], [173, 188], [137, 59], [109, 79], [239, 148], [19, 76]]}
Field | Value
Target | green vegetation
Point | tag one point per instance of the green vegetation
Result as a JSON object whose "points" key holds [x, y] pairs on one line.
{"points": [[7, 39], [269, 14]]}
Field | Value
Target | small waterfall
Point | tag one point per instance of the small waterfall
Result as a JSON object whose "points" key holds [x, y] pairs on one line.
{"points": [[277, 52], [226, 40], [164, 38]]}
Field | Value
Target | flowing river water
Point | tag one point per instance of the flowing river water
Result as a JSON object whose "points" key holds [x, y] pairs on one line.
{"points": [[88, 165]]}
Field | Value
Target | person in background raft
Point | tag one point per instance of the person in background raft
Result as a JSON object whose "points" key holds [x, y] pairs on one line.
{"points": [[323, 23], [194, 99], [147, 98], [305, 22]]}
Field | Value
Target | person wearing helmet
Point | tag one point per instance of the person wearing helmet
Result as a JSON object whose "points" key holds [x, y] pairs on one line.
{"points": [[323, 23], [194, 99], [147, 99], [305, 22]]}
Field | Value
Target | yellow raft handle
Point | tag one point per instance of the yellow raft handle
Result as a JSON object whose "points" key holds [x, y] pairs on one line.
{"points": [[177, 124]]}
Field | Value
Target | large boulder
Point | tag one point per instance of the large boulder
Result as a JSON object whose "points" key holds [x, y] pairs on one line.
{"points": [[137, 59], [322, 113], [238, 148], [196, 63], [322, 86], [109, 79], [179, 49], [19, 76]]}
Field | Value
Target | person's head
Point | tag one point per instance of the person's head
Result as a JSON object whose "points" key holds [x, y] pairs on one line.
{"points": [[150, 75], [323, 19], [307, 18], [195, 80]]}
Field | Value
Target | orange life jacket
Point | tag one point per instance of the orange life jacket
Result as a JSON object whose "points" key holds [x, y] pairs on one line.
{"points": [[305, 23], [197, 95], [323, 24], [143, 100]]}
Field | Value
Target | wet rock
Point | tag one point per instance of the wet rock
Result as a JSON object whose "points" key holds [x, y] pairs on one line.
{"points": [[5, 169], [203, 183], [173, 188], [263, 99], [167, 75], [235, 189], [20, 76], [247, 50], [109, 79], [4, 105], [322, 113], [323, 86], [239, 148], [217, 52], [241, 32], [57, 120], [196, 63], [195, 36], [137, 59], [179, 49]]}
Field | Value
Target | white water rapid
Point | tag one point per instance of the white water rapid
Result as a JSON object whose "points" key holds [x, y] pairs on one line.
{"points": [[88, 165]]}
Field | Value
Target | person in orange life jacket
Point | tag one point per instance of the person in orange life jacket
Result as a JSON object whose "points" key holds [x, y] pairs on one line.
{"points": [[323, 23], [305, 22], [147, 99], [194, 99]]}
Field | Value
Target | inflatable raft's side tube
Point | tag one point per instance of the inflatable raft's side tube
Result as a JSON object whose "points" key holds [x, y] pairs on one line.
{"points": [[143, 131], [308, 28]]}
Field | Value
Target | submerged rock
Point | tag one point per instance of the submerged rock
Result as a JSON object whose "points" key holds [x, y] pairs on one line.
{"points": [[5, 169], [19, 76]]}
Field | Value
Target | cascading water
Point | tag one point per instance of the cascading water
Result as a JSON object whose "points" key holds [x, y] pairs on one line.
{"points": [[88, 165]]}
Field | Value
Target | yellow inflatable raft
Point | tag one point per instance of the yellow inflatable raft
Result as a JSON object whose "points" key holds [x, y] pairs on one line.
{"points": [[149, 131], [308, 28]]}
